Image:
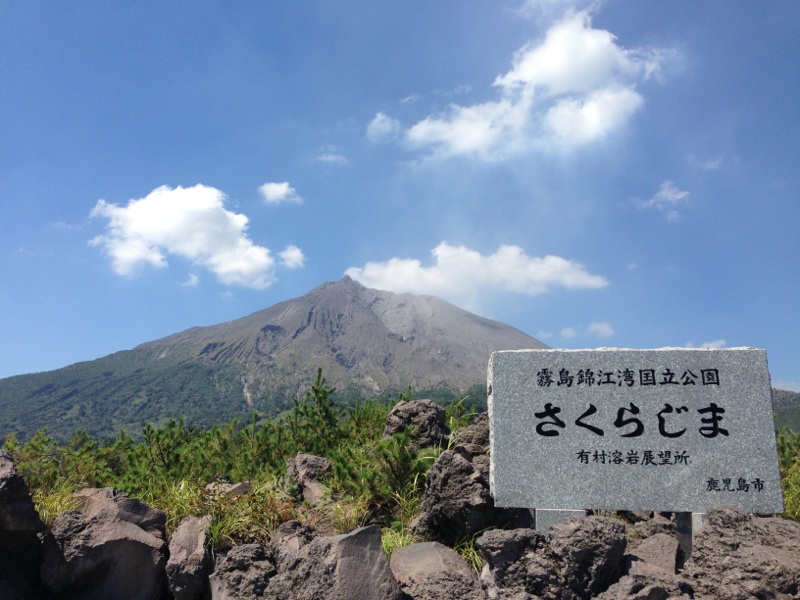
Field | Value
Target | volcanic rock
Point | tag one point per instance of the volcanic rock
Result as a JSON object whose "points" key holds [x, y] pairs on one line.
{"points": [[112, 547], [423, 418]]}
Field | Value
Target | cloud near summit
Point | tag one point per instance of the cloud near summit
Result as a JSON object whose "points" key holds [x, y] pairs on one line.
{"points": [[571, 88], [464, 275], [192, 223]]}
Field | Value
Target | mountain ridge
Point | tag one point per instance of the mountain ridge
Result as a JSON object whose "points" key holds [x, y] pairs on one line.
{"points": [[367, 343]]}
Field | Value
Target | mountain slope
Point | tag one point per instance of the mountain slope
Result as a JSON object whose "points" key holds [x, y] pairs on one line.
{"points": [[366, 341], [786, 406]]}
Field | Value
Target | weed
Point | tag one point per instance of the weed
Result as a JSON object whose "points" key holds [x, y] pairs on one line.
{"points": [[466, 548], [393, 538]]}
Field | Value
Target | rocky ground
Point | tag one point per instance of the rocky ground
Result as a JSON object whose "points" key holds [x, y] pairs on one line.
{"points": [[114, 546]]}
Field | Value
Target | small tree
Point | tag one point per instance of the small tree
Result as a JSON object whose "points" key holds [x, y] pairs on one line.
{"points": [[315, 424]]}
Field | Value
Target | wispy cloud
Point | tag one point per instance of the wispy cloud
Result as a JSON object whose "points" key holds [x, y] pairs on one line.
{"points": [[711, 344], [598, 329], [465, 275], [192, 223], [549, 8], [601, 329], [668, 197], [714, 163], [193, 281], [571, 88], [64, 226], [383, 127], [332, 158], [279, 192]]}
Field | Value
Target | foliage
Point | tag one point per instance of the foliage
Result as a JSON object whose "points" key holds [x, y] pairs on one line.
{"points": [[466, 548], [169, 466], [460, 413], [127, 389], [393, 538], [789, 457], [791, 492], [314, 423], [788, 449], [374, 480]]}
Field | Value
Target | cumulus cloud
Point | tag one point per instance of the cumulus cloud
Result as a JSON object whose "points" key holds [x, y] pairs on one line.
{"points": [[601, 329], [292, 257], [275, 193], [571, 88], [577, 121], [569, 332], [192, 223], [383, 127], [464, 275], [666, 200]]}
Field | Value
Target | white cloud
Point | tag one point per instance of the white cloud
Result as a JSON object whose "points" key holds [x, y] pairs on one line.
{"points": [[572, 58], [292, 257], [577, 121], [64, 226], [571, 88], [714, 164], [275, 193], [568, 332], [332, 158], [465, 275], [709, 164], [544, 335], [536, 8], [601, 329], [711, 344], [193, 281], [189, 222], [481, 130], [383, 127], [666, 200]]}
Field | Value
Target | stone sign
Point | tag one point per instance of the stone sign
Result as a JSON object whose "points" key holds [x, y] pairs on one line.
{"points": [[672, 429]]}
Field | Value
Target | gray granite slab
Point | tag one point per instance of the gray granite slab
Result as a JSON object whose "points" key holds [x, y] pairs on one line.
{"points": [[673, 429]]}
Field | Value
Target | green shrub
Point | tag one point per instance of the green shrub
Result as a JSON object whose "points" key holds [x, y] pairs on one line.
{"points": [[374, 480], [791, 492]]}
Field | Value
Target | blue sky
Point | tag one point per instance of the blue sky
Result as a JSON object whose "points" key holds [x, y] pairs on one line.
{"points": [[595, 174]]}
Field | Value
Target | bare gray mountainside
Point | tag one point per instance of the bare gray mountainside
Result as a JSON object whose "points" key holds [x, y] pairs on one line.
{"points": [[367, 342], [371, 338]]}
